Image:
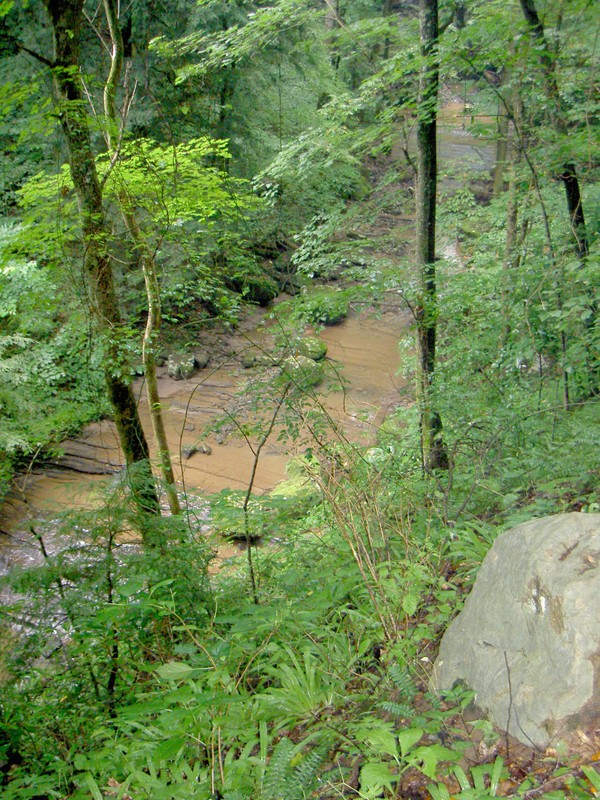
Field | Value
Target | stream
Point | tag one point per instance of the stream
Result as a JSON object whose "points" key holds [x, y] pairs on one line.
{"points": [[364, 348]]}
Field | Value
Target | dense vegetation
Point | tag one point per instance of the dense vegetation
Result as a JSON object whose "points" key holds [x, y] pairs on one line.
{"points": [[249, 150]]}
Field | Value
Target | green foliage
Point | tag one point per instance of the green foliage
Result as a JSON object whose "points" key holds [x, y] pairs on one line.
{"points": [[483, 782], [324, 305], [51, 378], [128, 673]]}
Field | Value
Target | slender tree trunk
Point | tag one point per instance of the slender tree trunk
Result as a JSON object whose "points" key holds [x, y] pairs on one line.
{"points": [[514, 110], [147, 260], [332, 21], [567, 174], [433, 449], [500, 184], [66, 17]]}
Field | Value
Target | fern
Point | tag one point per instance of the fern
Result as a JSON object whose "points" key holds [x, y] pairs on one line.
{"points": [[402, 681], [286, 780], [307, 772], [275, 781], [399, 710]]}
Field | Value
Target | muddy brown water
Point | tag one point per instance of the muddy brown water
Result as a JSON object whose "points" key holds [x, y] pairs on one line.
{"points": [[363, 349]]}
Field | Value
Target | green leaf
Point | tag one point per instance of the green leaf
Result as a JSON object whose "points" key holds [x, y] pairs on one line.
{"points": [[410, 603], [430, 757], [496, 774], [592, 776], [408, 738], [174, 671], [438, 791], [93, 786], [383, 741], [375, 776], [168, 749]]}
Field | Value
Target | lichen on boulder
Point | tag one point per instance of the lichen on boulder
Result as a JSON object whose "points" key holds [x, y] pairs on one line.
{"points": [[181, 367]]}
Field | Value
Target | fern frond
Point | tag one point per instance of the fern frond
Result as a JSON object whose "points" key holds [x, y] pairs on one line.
{"points": [[398, 710], [306, 773], [275, 781], [402, 681]]}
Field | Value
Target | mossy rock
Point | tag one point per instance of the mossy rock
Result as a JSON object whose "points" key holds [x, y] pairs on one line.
{"points": [[254, 357], [299, 485], [254, 288], [312, 347], [202, 359], [469, 229], [393, 426], [326, 306], [302, 371], [181, 367]]}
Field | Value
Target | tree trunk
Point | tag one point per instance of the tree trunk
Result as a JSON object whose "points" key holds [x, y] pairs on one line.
{"points": [[567, 173], [500, 184], [148, 264], [332, 21], [433, 450], [66, 20]]}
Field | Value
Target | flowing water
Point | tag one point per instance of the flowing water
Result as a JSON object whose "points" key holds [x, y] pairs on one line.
{"points": [[364, 348]]}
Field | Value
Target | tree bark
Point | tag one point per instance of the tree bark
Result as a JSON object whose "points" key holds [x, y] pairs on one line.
{"points": [[568, 173], [66, 18], [146, 257], [433, 448]]}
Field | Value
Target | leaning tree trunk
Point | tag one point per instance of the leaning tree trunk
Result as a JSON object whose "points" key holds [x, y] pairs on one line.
{"points": [[146, 257], [66, 17], [434, 453]]}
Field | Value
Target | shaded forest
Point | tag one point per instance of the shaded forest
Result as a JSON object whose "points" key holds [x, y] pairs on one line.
{"points": [[173, 170]]}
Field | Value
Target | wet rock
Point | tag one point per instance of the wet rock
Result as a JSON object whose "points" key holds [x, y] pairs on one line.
{"points": [[254, 357], [302, 371], [528, 639], [313, 348], [181, 367], [241, 538], [200, 447], [202, 359]]}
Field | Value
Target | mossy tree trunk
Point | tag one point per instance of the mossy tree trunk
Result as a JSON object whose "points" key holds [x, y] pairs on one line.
{"points": [[432, 444], [146, 259], [66, 18]]}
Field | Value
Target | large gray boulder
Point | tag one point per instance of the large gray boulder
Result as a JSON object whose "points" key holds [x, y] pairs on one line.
{"points": [[527, 641]]}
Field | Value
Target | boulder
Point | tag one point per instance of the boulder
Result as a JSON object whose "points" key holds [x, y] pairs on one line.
{"points": [[181, 367], [202, 359], [302, 371], [254, 357], [527, 641], [312, 347]]}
